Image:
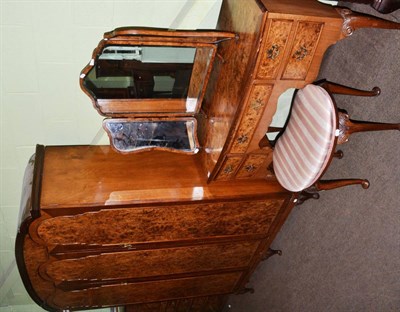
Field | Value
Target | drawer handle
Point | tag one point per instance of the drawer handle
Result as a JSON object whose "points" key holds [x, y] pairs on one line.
{"points": [[228, 169], [273, 52], [257, 104], [242, 139], [301, 53], [250, 168]]}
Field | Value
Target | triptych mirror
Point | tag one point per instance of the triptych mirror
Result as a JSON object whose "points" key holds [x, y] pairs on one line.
{"points": [[150, 83]]}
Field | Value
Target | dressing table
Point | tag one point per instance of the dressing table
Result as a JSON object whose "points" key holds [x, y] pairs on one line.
{"points": [[157, 226]]}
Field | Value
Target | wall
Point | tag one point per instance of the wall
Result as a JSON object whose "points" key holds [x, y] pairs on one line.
{"points": [[44, 46]]}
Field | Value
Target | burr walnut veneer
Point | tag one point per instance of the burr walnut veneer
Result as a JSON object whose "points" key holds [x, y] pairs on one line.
{"points": [[108, 229], [162, 231]]}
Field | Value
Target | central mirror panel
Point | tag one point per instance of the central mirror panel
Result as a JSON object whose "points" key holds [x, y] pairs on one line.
{"points": [[148, 79], [130, 135], [142, 72]]}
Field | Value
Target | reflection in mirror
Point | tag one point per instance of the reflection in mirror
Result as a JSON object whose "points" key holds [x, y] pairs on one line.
{"points": [[136, 135], [282, 112], [142, 72]]}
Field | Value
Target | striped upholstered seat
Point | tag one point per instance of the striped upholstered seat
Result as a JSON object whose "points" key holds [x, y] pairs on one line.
{"points": [[304, 149]]}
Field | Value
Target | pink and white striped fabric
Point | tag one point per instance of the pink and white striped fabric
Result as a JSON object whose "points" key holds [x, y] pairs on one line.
{"points": [[303, 151]]}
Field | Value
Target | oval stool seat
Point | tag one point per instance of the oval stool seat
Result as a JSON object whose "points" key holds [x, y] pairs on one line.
{"points": [[304, 149]]}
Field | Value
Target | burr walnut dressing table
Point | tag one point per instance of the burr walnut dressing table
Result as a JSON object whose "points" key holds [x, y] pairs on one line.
{"points": [[175, 219]]}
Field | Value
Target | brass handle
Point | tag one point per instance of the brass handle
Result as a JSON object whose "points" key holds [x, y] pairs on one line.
{"points": [[228, 169], [250, 168], [242, 139], [257, 104], [301, 53], [273, 52]]}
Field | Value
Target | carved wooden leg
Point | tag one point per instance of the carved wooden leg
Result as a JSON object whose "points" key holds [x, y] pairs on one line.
{"points": [[324, 185], [270, 252], [306, 195], [382, 6], [341, 89], [385, 6], [338, 154], [348, 126], [353, 21]]}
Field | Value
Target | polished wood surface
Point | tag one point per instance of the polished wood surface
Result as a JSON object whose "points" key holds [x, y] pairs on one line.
{"points": [[285, 51], [79, 176], [230, 74], [187, 238], [160, 230]]}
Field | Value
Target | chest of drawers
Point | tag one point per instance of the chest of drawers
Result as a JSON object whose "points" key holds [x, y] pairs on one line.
{"points": [[103, 232]]}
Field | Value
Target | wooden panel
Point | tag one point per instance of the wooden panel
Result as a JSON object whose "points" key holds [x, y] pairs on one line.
{"points": [[252, 165], [34, 256], [274, 48], [200, 72], [259, 97], [229, 78], [305, 43], [127, 107], [149, 263], [74, 177], [229, 168], [148, 291], [302, 8], [160, 224]]}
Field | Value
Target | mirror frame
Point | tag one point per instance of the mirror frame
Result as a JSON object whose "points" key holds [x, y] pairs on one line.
{"points": [[136, 36]]}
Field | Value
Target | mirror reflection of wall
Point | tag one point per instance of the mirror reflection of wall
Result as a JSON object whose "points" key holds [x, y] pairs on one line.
{"points": [[282, 112]]}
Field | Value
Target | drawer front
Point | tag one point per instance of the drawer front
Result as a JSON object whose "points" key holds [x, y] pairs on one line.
{"points": [[151, 263], [123, 294], [304, 46], [273, 49], [229, 168], [259, 97], [252, 165], [160, 223]]}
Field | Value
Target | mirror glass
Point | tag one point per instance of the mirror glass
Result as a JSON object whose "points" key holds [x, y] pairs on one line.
{"points": [[129, 135], [148, 72]]}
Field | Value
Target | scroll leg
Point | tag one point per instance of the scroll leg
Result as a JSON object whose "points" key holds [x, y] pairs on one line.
{"points": [[324, 185], [353, 21], [386, 6], [348, 126], [270, 252], [341, 89], [338, 154], [306, 195]]}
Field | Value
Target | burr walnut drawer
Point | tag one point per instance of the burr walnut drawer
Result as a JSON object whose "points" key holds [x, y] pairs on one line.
{"points": [[259, 96], [273, 49], [299, 37], [150, 263], [302, 52], [131, 293], [151, 224]]}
